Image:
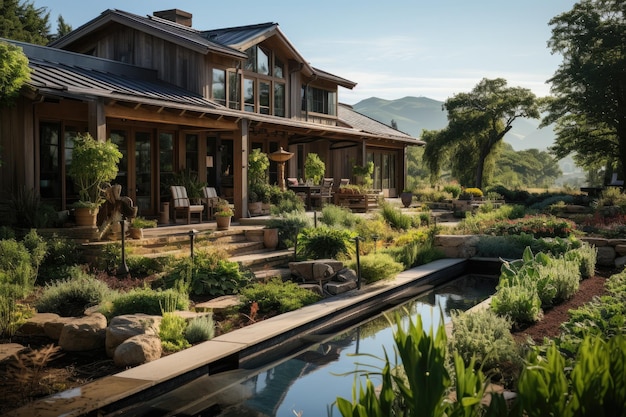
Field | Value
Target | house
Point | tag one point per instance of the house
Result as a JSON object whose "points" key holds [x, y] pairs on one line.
{"points": [[175, 98]]}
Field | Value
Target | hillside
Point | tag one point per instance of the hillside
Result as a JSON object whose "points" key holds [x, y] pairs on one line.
{"points": [[413, 114]]}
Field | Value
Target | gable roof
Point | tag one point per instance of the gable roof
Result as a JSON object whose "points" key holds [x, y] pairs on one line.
{"points": [[351, 118], [231, 41], [156, 26]]}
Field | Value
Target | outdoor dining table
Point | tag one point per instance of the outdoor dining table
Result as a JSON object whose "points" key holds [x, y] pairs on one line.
{"points": [[306, 189]]}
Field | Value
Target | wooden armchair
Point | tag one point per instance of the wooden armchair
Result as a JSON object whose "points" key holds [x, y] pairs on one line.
{"points": [[182, 204], [326, 191], [210, 200]]}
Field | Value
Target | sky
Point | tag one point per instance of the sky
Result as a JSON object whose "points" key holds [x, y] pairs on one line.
{"points": [[391, 49]]}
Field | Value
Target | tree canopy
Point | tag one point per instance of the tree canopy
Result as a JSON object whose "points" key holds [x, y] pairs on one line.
{"points": [[14, 72], [589, 87], [477, 123], [24, 22]]}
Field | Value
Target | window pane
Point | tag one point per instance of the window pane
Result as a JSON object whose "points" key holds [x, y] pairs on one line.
{"points": [[248, 94], [233, 91], [219, 86], [118, 137], [50, 174], [263, 61], [191, 153], [166, 161], [278, 68], [264, 97], [251, 62], [331, 107], [279, 99]]}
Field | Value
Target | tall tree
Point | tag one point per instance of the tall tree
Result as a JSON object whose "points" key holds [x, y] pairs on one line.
{"points": [[14, 72], [477, 123], [24, 22], [589, 87], [62, 28]]}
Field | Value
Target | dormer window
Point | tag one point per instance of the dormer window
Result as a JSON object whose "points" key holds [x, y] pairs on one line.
{"points": [[317, 100], [258, 60]]}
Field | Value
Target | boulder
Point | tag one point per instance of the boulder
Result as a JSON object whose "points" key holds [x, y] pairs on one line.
{"points": [[126, 326], [34, 326], [53, 328], [345, 275], [335, 288], [315, 271], [84, 333], [606, 256], [137, 350]]}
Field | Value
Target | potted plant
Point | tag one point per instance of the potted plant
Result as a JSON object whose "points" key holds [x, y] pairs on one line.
{"points": [[314, 168], [138, 224], [363, 174], [93, 164], [223, 215]]}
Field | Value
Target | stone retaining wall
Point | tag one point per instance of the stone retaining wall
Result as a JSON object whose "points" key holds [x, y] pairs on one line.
{"points": [[611, 252]]}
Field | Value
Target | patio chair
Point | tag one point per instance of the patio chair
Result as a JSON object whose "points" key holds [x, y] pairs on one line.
{"points": [[182, 204], [210, 200], [325, 194], [344, 181]]}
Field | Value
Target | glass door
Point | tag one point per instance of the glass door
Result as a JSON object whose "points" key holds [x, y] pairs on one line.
{"points": [[144, 185]]}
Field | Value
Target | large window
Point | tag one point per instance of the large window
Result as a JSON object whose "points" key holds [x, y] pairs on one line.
{"points": [[261, 88], [56, 143], [385, 174], [317, 100]]}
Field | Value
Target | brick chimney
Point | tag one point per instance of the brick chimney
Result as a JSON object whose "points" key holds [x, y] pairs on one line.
{"points": [[175, 15]]}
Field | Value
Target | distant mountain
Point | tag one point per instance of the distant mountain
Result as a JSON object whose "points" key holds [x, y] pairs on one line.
{"points": [[413, 114]]}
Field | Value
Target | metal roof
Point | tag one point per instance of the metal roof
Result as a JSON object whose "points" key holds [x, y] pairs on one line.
{"points": [[162, 28], [60, 73], [364, 123], [238, 35]]}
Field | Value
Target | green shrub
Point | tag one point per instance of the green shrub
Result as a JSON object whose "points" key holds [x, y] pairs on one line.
{"points": [[521, 303], [172, 333], [286, 202], [594, 384], [506, 247], [564, 276], [453, 189], [208, 273], [69, 297], [586, 255], [142, 266], [335, 216], [377, 266], [61, 255], [395, 218], [144, 300], [12, 315], [538, 226], [277, 296], [486, 337], [17, 269], [289, 225], [200, 329], [324, 243]]}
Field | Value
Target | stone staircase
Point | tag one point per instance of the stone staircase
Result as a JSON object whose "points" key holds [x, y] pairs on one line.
{"points": [[243, 244]]}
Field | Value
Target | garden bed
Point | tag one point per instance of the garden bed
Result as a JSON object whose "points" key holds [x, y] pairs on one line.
{"points": [[74, 369]]}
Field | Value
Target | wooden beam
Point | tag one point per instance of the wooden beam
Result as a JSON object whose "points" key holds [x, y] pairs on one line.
{"points": [[146, 115]]}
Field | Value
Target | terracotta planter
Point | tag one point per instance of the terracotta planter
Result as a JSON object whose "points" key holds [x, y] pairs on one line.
{"points": [[135, 233], [270, 238], [255, 208], [85, 216], [223, 222]]}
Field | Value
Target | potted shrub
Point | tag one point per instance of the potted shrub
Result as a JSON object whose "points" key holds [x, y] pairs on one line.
{"points": [[223, 215], [363, 174], [93, 164], [138, 224], [314, 168]]}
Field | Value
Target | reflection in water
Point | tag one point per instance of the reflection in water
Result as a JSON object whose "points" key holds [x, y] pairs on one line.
{"points": [[312, 380]]}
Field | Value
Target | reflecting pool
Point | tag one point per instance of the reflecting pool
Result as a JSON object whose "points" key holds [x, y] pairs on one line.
{"points": [[308, 383]]}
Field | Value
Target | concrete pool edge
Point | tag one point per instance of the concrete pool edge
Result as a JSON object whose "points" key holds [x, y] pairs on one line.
{"points": [[233, 348]]}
